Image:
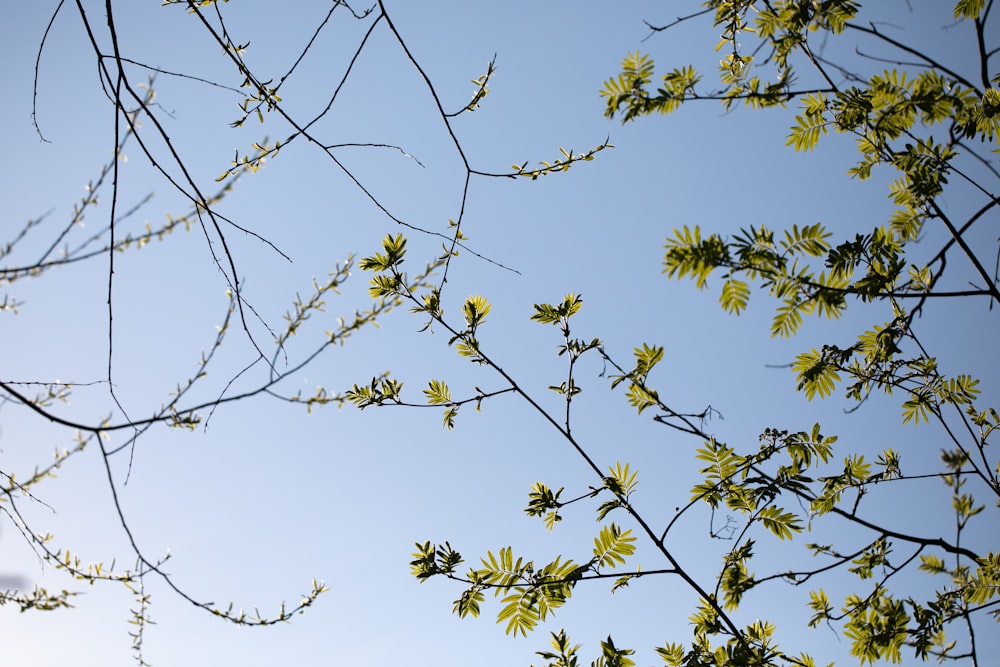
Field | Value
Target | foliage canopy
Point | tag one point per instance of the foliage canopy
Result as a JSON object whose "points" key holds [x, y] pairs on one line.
{"points": [[934, 128]]}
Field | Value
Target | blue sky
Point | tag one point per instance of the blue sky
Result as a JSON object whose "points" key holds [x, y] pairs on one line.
{"points": [[267, 497]]}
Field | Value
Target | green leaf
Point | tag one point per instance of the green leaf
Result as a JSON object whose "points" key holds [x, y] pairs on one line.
{"points": [[985, 585], [383, 286], [806, 132], [468, 603], [919, 406], [734, 582], [671, 654], [820, 603], [780, 522], [877, 628], [612, 656], [468, 347], [969, 9], [811, 240], [621, 481], [520, 610], [548, 314], [612, 546], [735, 295], [690, 255], [544, 503], [449, 417], [566, 654], [817, 375], [394, 248], [641, 397], [437, 392], [646, 357], [788, 317], [627, 88], [475, 309]]}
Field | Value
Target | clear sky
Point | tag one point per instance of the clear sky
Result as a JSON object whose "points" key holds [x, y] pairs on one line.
{"points": [[265, 498]]}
